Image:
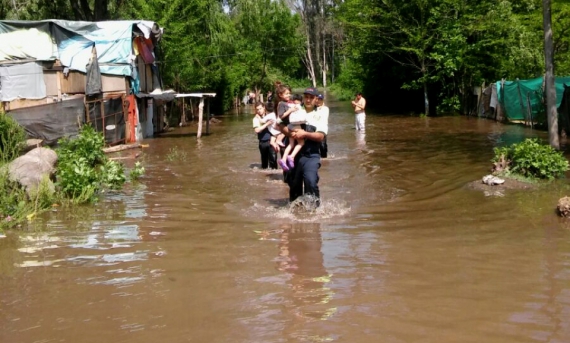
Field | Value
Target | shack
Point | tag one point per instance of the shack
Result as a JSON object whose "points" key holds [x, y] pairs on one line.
{"points": [[56, 75]]}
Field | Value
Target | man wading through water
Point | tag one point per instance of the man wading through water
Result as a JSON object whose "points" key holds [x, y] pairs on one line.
{"points": [[305, 174]]}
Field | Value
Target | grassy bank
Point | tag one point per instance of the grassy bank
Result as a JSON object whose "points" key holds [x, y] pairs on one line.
{"points": [[83, 171]]}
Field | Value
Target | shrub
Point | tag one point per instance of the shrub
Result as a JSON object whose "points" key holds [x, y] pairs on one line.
{"points": [[531, 159], [83, 169], [12, 201], [12, 138], [16, 205], [112, 175], [89, 145], [136, 172]]}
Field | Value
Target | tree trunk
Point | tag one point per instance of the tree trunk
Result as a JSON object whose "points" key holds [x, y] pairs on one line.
{"points": [[324, 67], [309, 62], [101, 10], [550, 90], [426, 100]]}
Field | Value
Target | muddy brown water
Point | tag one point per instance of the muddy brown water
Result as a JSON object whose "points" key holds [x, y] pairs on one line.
{"points": [[205, 248]]}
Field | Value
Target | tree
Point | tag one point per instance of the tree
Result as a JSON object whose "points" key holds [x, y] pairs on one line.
{"points": [[267, 40], [442, 47], [550, 90]]}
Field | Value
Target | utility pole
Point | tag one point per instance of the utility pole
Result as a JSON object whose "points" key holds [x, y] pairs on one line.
{"points": [[550, 90]]}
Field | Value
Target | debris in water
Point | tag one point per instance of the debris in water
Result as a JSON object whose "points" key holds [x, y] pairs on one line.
{"points": [[492, 180]]}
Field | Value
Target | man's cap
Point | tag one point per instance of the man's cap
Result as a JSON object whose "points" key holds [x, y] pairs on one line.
{"points": [[320, 96], [312, 91]]}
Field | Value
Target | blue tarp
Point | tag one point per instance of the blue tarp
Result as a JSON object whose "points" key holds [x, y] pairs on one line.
{"points": [[71, 42]]}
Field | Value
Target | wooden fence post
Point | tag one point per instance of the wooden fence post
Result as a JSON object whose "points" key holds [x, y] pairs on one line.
{"points": [[200, 118], [208, 116]]}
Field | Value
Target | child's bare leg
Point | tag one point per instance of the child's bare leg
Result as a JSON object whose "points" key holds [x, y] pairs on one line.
{"points": [[283, 161], [279, 139], [288, 150], [298, 146], [273, 143], [291, 158]]}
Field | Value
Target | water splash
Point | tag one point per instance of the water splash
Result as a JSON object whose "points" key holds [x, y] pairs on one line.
{"points": [[303, 209]]}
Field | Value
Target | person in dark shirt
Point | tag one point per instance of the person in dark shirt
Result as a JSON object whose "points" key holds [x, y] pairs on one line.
{"points": [[304, 177]]}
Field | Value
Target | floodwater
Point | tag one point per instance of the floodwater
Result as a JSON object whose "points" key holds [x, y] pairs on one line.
{"points": [[205, 248]]}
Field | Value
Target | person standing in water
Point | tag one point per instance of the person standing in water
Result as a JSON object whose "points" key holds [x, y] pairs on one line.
{"points": [[324, 110], [303, 178], [359, 103], [261, 123]]}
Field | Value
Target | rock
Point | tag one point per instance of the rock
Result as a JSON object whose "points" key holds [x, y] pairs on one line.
{"points": [[29, 170], [564, 207], [33, 143], [44, 154]]}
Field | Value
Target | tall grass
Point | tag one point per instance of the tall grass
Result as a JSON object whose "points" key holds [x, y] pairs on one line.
{"points": [[12, 138]]}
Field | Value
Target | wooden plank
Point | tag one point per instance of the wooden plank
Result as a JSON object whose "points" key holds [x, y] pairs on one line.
{"points": [[113, 83], [142, 73], [74, 83], [58, 84], [50, 79], [24, 103], [148, 76]]}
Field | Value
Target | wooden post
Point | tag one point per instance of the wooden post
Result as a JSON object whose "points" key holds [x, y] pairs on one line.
{"points": [[128, 123], [102, 120], [58, 83], [183, 116], [208, 116], [500, 111], [521, 102], [200, 118], [529, 109]]}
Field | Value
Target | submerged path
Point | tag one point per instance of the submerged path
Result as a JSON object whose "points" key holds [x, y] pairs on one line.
{"points": [[205, 248]]}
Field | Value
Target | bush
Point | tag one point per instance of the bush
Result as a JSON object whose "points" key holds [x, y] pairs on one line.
{"points": [[88, 145], [530, 159], [16, 205], [136, 172], [83, 169], [12, 138], [12, 201]]}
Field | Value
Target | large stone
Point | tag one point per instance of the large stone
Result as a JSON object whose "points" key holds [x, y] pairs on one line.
{"points": [[29, 169]]}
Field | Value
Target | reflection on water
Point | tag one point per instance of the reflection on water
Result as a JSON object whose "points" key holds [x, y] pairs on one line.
{"points": [[208, 248], [360, 139], [300, 255]]}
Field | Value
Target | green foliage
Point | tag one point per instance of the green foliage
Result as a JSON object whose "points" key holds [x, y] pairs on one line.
{"points": [[176, 154], [532, 159], [16, 205], [12, 138], [246, 45], [447, 46], [136, 172], [88, 145], [43, 196], [229, 46], [349, 81], [83, 169], [75, 176], [112, 175], [13, 204]]}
